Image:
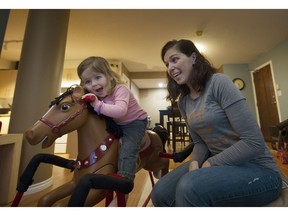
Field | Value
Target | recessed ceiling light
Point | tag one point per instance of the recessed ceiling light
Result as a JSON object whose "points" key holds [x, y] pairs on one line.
{"points": [[160, 85]]}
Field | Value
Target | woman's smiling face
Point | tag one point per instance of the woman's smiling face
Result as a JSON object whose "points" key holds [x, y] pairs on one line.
{"points": [[179, 66]]}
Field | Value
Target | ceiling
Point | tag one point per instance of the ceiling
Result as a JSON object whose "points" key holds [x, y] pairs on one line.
{"points": [[136, 36]]}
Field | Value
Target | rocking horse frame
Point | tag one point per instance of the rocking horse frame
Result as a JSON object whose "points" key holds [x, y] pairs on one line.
{"points": [[98, 143]]}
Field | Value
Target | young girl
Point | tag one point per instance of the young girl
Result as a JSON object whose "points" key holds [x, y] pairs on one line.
{"points": [[231, 164], [114, 99]]}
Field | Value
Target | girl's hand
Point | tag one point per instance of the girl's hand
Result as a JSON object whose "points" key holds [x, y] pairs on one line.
{"points": [[193, 166], [90, 98]]}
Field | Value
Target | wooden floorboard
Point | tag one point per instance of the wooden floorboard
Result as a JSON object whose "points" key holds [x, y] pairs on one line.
{"points": [[61, 176], [283, 167]]}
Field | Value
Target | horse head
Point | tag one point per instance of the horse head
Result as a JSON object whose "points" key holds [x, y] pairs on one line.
{"points": [[66, 108]]}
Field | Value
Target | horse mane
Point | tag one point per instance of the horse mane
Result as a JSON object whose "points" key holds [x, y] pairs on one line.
{"points": [[111, 126], [58, 99]]}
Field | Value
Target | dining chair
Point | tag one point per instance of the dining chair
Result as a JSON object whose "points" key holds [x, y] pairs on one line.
{"points": [[177, 129]]}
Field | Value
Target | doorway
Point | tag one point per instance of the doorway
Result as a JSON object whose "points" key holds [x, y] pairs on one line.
{"points": [[266, 100]]}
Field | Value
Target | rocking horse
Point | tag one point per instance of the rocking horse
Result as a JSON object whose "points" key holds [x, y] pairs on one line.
{"points": [[97, 147]]}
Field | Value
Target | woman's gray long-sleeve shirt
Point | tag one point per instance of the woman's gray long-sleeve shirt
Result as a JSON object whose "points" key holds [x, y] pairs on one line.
{"points": [[223, 128]]}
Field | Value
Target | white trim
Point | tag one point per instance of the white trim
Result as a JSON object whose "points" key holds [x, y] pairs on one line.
{"points": [[255, 98], [34, 188], [275, 92]]}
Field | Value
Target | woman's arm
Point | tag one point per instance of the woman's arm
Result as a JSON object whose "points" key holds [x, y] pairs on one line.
{"points": [[200, 151], [251, 143]]}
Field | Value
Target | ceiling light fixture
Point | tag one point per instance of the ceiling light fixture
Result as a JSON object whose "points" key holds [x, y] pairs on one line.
{"points": [[199, 46], [199, 33]]}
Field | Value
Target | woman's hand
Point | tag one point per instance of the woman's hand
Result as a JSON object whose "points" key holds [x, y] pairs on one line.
{"points": [[90, 98], [206, 164], [193, 166]]}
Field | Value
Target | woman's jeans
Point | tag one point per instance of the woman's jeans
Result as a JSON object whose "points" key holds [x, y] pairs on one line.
{"points": [[223, 186]]}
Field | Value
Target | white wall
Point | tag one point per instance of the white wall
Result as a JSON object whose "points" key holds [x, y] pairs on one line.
{"points": [[153, 100], [135, 91]]}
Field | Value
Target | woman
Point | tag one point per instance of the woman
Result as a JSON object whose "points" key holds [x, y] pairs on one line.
{"points": [[231, 164]]}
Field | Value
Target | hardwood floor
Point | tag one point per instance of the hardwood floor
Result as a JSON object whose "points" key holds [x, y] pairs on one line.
{"points": [[138, 195], [60, 176], [283, 167]]}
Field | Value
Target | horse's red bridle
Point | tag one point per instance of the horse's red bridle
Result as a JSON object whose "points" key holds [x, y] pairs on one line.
{"points": [[57, 127], [96, 154]]}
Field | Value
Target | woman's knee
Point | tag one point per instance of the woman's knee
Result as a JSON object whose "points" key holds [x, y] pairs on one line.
{"points": [[188, 182], [156, 194], [188, 192]]}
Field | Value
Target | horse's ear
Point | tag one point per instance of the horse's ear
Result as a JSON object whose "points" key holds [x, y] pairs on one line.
{"points": [[78, 91]]}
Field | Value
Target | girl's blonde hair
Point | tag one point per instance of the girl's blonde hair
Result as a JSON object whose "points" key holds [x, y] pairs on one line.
{"points": [[99, 65]]}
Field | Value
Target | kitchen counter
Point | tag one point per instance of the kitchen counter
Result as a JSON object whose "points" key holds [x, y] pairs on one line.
{"points": [[5, 115], [5, 119], [10, 154]]}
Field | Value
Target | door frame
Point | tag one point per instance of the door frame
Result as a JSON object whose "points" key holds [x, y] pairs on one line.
{"points": [[275, 86]]}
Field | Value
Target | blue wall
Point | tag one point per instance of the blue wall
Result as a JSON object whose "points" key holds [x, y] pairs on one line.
{"points": [[242, 71], [278, 56]]}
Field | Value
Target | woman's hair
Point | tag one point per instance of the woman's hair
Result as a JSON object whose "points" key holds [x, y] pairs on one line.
{"points": [[201, 72], [99, 65]]}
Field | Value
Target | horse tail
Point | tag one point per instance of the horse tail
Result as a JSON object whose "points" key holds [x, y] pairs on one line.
{"points": [[162, 133]]}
